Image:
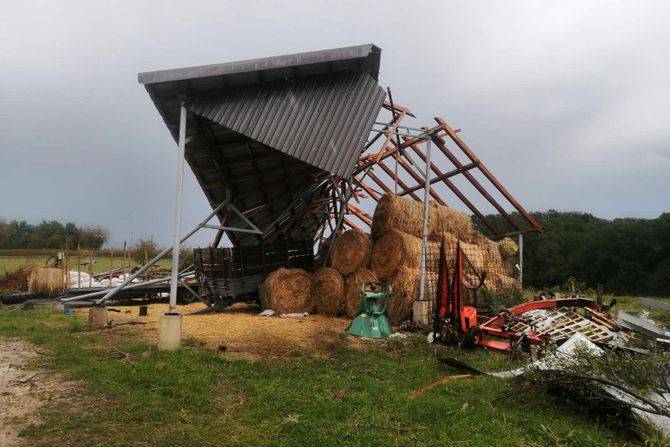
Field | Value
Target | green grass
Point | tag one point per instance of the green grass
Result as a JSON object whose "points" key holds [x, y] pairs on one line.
{"points": [[15, 261], [351, 397]]}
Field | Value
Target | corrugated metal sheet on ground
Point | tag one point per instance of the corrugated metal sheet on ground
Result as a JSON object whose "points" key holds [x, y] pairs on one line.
{"points": [[322, 120]]}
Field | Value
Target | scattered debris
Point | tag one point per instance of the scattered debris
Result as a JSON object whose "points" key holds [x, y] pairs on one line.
{"points": [[435, 384], [295, 315]]}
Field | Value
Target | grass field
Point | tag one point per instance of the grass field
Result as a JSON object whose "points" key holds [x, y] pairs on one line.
{"points": [[349, 397], [12, 260]]}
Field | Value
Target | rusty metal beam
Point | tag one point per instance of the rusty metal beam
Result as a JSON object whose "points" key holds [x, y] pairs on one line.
{"points": [[402, 184], [367, 189], [405, 165], [471, 206], [474, 182], [365, 217], [466, 150]]}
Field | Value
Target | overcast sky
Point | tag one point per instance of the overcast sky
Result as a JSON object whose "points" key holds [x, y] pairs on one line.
{"points": [[566, 102]]}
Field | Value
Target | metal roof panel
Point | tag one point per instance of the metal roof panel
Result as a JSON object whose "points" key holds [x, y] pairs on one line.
{"points": [[320, 120]]}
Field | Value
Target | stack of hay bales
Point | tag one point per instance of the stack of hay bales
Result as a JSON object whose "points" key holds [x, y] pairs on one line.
{"points": [[327, 291], [287, 291], [394, 250], [350, 252], [405, 215], [394, 256], [48, 281], [397, 228]]}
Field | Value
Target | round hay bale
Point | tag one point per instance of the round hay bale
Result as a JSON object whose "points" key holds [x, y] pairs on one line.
{"points": [[405, 284], [352, 290], [406, 215], [286, 291], [394, 250], [507, 248], [327, 291], [496, 282], [46, 280], [350, 251]]}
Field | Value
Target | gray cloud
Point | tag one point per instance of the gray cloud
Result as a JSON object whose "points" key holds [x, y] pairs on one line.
{"points": [[565, 101]]}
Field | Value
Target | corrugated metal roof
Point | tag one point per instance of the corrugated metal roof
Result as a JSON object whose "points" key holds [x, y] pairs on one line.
{"points": [[360, 58], [308, 114], [322, 120]]}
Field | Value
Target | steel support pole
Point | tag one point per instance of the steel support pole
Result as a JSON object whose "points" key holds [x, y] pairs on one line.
{"points": [[521, 260], [156, 258], [424, 240], [177, 213]]}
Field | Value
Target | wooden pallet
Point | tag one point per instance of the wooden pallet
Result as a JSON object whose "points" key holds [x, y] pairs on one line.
{"points": [[564, 327]]}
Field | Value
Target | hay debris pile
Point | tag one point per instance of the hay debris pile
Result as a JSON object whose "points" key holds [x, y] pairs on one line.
{"points": [[327, 291], [350, 252], [287, 291]]}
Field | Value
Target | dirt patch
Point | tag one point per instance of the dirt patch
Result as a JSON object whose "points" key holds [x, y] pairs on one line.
{"points": [[23, 390], [242, 331], [15, 281]]}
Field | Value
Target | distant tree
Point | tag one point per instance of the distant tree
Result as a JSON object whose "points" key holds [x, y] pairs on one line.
{"points": [[4, 233], [50, 234], [628, 256], [93, 237], [141, 247]]}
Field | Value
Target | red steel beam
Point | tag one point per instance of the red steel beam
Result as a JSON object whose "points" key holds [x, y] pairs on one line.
{"points": [[457, 192], [440, 177], [367, 189], [461, 144], [365, 217], [391, 174], [478, 186], [419, 179]]}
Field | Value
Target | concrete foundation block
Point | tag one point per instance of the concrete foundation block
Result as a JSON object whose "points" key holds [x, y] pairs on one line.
{"points": [[97, 317], [422, 312], [169, 332]]}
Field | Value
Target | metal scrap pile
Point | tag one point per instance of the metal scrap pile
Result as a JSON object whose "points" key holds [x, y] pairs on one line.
{"points": [[612, 365]]}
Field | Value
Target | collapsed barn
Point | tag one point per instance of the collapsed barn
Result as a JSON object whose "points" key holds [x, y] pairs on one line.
{"points": [[292, 150]]}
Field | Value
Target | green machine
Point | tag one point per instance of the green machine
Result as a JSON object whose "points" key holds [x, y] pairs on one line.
{"points": [[371, 320]]}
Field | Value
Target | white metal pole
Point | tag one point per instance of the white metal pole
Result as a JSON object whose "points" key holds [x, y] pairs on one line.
{"points": [[521, 259], [424, 241], [177, 214]]}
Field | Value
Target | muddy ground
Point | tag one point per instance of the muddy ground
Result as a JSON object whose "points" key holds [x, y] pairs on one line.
{"points": [[24, 389]]}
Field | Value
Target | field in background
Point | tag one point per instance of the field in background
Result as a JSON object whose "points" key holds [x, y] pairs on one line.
{"points": [[14, 259]]}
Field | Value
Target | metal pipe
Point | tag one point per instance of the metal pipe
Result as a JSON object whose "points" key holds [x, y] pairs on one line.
{"points": [[424, 240], [131, 286], [177, 213], [159, 256], [521, 259]]}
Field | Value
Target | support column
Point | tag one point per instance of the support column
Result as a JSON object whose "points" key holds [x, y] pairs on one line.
{"points": [[521, 260], [421, 306], [169, 333]]}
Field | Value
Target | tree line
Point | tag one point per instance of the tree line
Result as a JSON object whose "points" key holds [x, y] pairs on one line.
{"points": [[627, 256], [50, 234]]}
